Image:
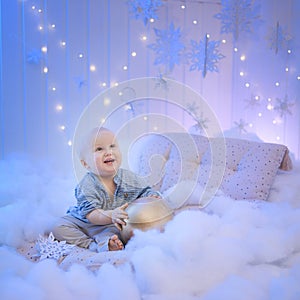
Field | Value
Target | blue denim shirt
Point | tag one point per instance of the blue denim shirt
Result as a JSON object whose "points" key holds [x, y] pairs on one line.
{"points": [[91, 194]]}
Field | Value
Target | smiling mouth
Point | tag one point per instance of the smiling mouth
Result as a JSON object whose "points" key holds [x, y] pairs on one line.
{"points": [[109, 161]]}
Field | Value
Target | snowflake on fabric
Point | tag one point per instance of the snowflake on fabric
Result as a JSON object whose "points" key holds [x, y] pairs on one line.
{"points": [[252, 102], [169, 47], [205, 56], [49, 248], [238, 16], [241, 126], [283, 106], [34, 56], [278, 38], [192, 108], [144, 9]]}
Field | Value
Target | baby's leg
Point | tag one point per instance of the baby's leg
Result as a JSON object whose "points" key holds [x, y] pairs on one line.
{"points": [[71, 230], [107, 238]]}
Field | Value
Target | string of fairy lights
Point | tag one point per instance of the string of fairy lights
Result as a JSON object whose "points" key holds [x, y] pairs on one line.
{"points": [[280, 107]]}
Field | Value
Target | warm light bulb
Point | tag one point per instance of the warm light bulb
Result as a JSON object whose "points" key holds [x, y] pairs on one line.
{"points": [[54, 89], [259, 114], [133, 53], [70, 143], [106, 101], [40, 27], [224, 41], [243, 57], [247, 84], [44, 49], [92, 68], [269, 106], [235, 49], [45, 70], [151, 20], [80, 55], [277, 83], [144, 38], [286, 69], [241, 73], [59, 107], [145, 118], [62, 127], [195, 22], [125, 68]]}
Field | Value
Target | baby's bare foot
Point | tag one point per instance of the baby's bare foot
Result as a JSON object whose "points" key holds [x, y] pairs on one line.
{"points": [[115, 243]]}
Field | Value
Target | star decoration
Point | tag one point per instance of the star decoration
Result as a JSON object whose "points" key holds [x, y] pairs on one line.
{"points": [[49, 248], [278, 38], [34, 56], [252, 102], [241, 126], [205, 55], [238, 16], [283, 106], [169, 47], [144, 9]]}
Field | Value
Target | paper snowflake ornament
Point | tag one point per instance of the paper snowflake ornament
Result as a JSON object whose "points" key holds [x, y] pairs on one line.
{"points": [[278, 38], [50, 248], [169, 47], [161, 82], [201, 123], [241, 126], [252, 102], [205, 55], [238, 16], [144, 9], [283, 106], [34, 56]]}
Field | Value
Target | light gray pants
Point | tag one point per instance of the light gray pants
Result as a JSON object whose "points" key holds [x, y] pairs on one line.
{"points": [[85, 235]]}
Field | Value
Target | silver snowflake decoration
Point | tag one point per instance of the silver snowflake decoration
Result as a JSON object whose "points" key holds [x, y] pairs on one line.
{"points": [[34, 56], [169, 47], [283, 106], [144, 9], [50, 248], [241, 126], [238, 16], [278, 38], [252, 102], [205, 55]]}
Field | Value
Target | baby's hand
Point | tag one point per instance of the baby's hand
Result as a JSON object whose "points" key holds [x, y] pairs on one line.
{"points": [[118, 215]]}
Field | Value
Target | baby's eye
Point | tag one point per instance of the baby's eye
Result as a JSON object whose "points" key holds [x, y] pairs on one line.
{"points": [[99, 149], [112, 146]]}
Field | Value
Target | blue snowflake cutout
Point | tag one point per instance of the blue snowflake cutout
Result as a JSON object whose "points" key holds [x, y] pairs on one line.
{"points": [[144, 9], [34, 56], [169, 47], [283, 106], [278, 38], [238, 16], [205, 56], [252, 102], [241, 126]]}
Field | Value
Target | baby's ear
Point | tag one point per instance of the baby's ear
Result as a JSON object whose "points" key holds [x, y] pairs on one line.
{"points": [[83, 162]]}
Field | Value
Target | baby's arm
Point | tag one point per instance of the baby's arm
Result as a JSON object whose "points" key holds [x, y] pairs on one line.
{"points": [[104, 217]]}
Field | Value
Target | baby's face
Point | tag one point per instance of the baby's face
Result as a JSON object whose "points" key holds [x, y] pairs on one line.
{"points": [[103, 156]]}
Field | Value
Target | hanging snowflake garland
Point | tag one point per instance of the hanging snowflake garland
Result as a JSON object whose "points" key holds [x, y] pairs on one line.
{"points": [[278, 38], [238, 16], [205, 55], [144, 10], [283, 106], [169, 47]]}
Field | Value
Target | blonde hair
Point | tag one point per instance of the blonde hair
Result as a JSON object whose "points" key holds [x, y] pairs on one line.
{"points": [[88, 139]]}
